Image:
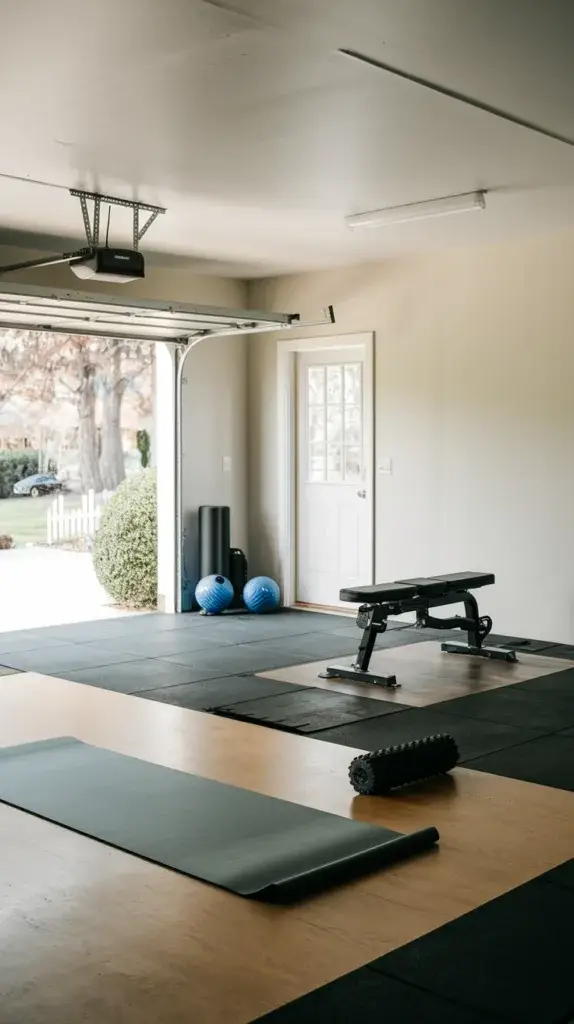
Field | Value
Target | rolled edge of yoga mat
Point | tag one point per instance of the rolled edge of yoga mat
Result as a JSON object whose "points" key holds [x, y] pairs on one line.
{"points": [[308, 883]]}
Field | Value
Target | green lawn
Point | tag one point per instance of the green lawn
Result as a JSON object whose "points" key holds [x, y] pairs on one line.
{"points": [[24, 519]]}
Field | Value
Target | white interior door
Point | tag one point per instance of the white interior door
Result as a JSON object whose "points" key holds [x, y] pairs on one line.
{"points": [[334, 473]]}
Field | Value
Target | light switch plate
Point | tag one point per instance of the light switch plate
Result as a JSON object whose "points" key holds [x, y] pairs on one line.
{"points": [[227, 463], [385, 466]]}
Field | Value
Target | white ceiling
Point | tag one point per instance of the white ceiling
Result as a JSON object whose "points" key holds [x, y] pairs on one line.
{"points": [[244, 120]]}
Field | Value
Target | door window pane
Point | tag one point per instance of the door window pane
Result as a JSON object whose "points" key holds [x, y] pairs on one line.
{"points": [[316, 385], [334, 423], [334, 462], [334, 384], [352, 425], [353, 380], [316, 416], [352, 464]]}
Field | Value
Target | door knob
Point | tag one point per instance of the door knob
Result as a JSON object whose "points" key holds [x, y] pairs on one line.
{"points": [[361, 494]]}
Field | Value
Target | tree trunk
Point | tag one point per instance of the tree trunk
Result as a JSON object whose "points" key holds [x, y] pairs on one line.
{"points": [[112, 465], [88, 436]]}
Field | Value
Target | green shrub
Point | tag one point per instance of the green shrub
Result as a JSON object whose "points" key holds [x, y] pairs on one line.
{"points": [[6, 542], [144, 445], [125, 546], [15, 466]]}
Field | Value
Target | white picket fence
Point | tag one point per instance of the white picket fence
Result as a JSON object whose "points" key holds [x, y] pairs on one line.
{"points": [[81, 521]]}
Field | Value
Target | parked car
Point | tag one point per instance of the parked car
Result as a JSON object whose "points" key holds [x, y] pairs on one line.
{"points": [[39, 483]]}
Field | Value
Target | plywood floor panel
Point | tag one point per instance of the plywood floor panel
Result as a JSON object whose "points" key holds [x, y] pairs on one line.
{"points": [[426, 674], [91, 933]]}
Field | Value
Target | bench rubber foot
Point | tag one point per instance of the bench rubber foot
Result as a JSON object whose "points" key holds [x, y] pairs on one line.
{"points": [[496, 653], [348, 672]]}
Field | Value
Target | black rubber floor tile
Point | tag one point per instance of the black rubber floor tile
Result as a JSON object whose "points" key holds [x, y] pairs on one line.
{"points": [[567, 732], [518, 644], [320, 621], [229, 690], [560, 651], [28, 642], [366, 996], [546, 712], [562, 875], [232, 660], [547, 761], [158, 645], [250, 628], [309, 711], [133, 676], [311, 646], [101, 629], [511, 958], [59, 660], [554, 682], [157, 622], [474, 738]]}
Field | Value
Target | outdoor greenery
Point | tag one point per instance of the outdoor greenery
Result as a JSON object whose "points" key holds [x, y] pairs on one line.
{"points": [[92, 376], [6, 542], [125, 546], [24, 519], [15, 466], [144, 446]]}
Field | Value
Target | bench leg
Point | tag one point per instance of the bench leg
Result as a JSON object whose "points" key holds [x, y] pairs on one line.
{"points": [[373, 621], [477, 628], [477, 631]]}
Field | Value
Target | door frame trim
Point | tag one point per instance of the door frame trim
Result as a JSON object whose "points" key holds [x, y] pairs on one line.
{"points": [[287, 445]]}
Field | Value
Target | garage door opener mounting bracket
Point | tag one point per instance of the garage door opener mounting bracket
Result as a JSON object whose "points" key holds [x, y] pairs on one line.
{"points": [[95, 261]]}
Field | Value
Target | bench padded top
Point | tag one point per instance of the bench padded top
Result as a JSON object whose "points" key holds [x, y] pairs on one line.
{"points": [[378, 593], [405, 590]]}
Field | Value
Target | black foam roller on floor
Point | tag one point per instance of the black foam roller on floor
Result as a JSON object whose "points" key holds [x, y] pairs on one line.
{"points": [[380, 771]]}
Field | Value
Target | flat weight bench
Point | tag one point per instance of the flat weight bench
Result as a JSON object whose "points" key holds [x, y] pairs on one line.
{"points": [[418, 595]]}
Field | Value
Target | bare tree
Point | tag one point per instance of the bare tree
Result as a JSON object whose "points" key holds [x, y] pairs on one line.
{"points": [[81, 368], [122, 364], [28, 360], [41, 366], [112, 465]]}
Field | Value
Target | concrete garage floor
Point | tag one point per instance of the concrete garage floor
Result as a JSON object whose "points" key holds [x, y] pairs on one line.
{"points": [[48, 587]]}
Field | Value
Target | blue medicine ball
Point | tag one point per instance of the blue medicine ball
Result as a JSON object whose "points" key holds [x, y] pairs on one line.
{"points": [[261, 594], [214, 594]]}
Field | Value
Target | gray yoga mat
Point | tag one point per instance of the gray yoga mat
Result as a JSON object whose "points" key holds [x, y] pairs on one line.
{"points": [[252, 844]]}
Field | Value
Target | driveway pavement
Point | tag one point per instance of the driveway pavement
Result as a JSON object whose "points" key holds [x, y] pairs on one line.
{"points": [[48, 587]]}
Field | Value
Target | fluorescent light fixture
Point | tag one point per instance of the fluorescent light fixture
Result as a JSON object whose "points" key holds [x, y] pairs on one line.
{"points": [[444, 207]]}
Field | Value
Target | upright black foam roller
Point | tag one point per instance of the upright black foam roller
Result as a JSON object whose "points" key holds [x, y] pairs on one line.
{"points": [[237, 575], [383, 770], [214, 533]]}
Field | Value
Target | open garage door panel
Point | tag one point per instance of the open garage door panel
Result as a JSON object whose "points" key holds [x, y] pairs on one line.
{"points": [[73, 312]]}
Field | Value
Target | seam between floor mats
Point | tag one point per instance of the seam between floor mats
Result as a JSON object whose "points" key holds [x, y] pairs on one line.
{"points": [[436, 995], [513, 746], [278, 726]]}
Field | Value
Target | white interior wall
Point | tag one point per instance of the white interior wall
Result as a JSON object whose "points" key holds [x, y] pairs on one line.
{"points": [[215, 438], [214, 420], [473, 399]]}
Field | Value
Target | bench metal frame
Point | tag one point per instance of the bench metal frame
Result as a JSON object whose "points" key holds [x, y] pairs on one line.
{"points": [[419, 596]]}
